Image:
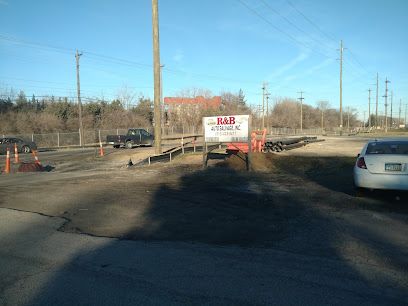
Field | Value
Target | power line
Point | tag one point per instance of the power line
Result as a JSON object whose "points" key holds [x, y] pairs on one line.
{"points": [[358, 62], [37, 45], [330, 37], [311, 22], [104, 86], [29, 80], [294, 25], [291, 37], [121, 61]]}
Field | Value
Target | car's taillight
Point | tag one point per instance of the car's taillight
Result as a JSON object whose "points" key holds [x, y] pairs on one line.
{"points": [[361, 163]]}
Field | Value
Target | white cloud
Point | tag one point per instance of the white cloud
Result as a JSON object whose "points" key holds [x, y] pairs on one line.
{"points": [[319, 66], [288, 66], [309, 71]]}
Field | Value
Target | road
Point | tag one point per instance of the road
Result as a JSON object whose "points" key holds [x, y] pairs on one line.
{"points": [[43, 266]]}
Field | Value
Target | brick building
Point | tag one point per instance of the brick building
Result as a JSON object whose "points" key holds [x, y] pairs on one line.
{"points": [[178, 104]]}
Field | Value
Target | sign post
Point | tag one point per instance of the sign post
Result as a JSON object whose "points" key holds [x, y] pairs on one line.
{"points": [[226, 129], [249, 155]]}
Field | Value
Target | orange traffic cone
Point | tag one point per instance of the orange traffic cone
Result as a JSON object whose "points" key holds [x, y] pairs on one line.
{"points": [[101, 153], [36, 158], [16, 159], [7, 170]]}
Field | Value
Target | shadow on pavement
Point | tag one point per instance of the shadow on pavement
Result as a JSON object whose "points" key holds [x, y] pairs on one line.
{"points": [[227, 237]]}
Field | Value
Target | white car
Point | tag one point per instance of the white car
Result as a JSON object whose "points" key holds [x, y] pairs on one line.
{"points": [[383, 164]]}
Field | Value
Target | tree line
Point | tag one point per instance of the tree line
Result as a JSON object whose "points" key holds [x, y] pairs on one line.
{"points": [[21, 114]]}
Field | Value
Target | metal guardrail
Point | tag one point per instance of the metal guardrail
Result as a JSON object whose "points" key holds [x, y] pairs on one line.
{"points": [[170, 154]]}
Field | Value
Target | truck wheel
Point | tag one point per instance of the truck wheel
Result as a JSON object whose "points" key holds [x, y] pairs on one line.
{"points": [[129, 145], [25, 149]]}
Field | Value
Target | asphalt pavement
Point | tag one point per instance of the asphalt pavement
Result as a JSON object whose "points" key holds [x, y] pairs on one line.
{"points": [[42, 266]]}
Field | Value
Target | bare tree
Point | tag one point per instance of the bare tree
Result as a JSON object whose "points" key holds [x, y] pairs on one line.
{"points": [[323, 106], [126, 96]]}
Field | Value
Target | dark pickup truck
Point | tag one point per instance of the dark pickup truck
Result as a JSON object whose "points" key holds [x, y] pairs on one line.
{"points": [[134, 137]]}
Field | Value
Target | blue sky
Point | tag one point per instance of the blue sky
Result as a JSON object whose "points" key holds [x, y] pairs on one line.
{"points": [[217, 45]]}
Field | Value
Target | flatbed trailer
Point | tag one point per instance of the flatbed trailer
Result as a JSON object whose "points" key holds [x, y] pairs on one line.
{"points": [[273, 144]]}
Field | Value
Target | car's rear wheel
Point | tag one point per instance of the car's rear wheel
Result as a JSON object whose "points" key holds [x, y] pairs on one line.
{"points": [[25, 149], [129, 145]]}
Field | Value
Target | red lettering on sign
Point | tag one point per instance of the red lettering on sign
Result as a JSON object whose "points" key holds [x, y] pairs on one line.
{"points": [[225, 120]]}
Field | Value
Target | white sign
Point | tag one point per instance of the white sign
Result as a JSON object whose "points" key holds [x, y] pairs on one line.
{"points": [[226, 128]]}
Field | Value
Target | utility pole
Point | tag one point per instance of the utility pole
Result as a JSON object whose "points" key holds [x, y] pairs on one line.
{"points": [[392, 95], [369, 108], [301, 110], [267, 110], [156, 72], [405, 118], [161, 98], [376, 105], [399, 113], [348, 119], [341, 86], [322, 123], [263, 105], [259, 114], [385, 103], [81, 128]]}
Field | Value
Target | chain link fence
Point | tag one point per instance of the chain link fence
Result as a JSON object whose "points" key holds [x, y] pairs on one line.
{"points": [[291, 131], [92, 137]]}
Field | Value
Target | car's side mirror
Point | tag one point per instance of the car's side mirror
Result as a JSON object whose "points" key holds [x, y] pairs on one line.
{"points": [[358, 155]]}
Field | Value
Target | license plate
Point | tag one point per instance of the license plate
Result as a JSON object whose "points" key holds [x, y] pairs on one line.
{"points": [[393, 167]]}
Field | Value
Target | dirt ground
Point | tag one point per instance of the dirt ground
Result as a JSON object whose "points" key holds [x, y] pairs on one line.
{"points": [[300, 202], [223, 204]]}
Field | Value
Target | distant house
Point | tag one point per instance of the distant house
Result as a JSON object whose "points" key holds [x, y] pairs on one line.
{"points": [[177, 104]]}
